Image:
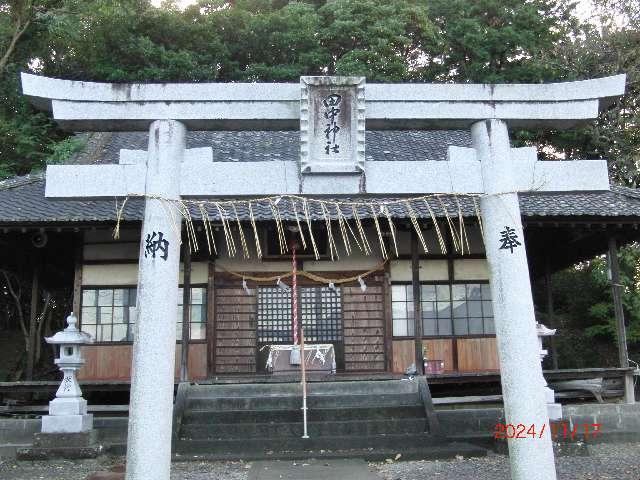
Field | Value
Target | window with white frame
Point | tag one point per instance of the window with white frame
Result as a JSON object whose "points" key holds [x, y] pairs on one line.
{"points": [[198, 314], [109, 314], [402, 310], [472, 309], [436, 309], [447, 309]]}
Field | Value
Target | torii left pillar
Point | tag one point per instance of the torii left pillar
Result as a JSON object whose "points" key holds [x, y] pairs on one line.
{"points": [[152, 376]]}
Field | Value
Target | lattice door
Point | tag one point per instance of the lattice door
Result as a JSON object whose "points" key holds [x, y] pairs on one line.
{"points": [[320, 314]]}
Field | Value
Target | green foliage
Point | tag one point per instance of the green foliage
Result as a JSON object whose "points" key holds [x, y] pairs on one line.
{"points": [[496, 41], [63, 150], [279, 40], [583, 310], [383, 40], [602, 311]]}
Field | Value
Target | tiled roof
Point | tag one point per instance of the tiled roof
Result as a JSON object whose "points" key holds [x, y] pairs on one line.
{"points": [[22, 198], [245, 146], [22, 201]]}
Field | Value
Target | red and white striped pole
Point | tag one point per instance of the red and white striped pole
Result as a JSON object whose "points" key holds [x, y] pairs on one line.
{"points": [[294, 292]]}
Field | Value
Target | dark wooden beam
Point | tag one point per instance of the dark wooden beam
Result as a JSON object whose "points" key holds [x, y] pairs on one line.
{"points": [[617, 302], [550, 312], [623, 356], [388, 318], [77, 275], [211, 319], [186, 311], [417, 306]]}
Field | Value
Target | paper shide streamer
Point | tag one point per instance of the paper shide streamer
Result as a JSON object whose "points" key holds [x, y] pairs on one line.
{"points": [[343, 219]]}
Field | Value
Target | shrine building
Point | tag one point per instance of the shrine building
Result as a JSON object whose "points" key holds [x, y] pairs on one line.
{"points": [[384, 237], [373, 331]]}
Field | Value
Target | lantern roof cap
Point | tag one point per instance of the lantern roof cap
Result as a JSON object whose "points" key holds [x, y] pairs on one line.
{"points": [[70, 335]]}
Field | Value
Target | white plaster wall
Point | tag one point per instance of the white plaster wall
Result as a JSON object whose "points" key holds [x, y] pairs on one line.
{"points": [[127, 274], [430, 270], [115, 274], [470, 269], [241, 265], [352, 263], [199, 272]]}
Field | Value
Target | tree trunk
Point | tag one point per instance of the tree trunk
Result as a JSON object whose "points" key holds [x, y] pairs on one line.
{"points": [[45, 318], [33, 317], [19, 30], [16, 294]]}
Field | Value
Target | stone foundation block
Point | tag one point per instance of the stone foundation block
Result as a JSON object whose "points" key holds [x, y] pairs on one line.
{"points": [[71, 453], [56, 440], [67, 423], [68, 406], [75, 445]]}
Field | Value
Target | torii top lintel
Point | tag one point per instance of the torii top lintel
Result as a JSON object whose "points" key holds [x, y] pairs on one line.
{"points": [[78, 105]]}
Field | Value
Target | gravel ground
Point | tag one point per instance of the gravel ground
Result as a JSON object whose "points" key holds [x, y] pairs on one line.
{"points": [[80, 469], [604, 462]]}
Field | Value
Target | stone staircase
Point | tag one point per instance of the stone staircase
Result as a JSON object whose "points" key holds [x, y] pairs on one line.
{"points": [[371, 419]]}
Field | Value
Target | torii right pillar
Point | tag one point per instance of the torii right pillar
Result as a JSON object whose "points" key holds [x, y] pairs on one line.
{"points": [[518, 350]]}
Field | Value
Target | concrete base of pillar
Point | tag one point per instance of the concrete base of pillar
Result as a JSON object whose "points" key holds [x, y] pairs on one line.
{"points": [[555, 411], [67, 423], [77, 445], [629, 388], [68, 406]]}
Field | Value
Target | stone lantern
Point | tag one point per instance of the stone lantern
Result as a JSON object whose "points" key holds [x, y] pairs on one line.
{"points": [[68, 411], [554, 409]]}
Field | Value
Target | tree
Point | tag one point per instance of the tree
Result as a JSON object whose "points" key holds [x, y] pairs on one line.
{"points": [[596, 50], [497, 41], [382, 40], [38, 315], [602, 311], [27, 138]]}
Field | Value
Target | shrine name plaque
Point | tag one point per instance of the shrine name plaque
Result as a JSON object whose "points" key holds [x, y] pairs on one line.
{"points": [[332, 124]]}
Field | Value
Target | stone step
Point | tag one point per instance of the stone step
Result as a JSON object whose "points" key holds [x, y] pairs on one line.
{"points": [[321, 388], [196, 402], [397, 442], [295, 429], [442, 451], [111, 429], [295, 414]]}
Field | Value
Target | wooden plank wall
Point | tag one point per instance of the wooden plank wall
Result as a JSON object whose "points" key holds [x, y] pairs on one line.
{"points": [[474, 354], [235, 325], [106, 362], [404, 354], [477, 354], [113, 362], [197, 364], [441, 349], [364, 323]]}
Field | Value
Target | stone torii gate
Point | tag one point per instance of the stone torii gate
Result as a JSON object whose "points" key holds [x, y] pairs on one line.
{"points": [[331, 163]]}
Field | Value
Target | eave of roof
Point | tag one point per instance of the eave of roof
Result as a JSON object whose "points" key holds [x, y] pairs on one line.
{"points": [[22, 201], [22, 198]]}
